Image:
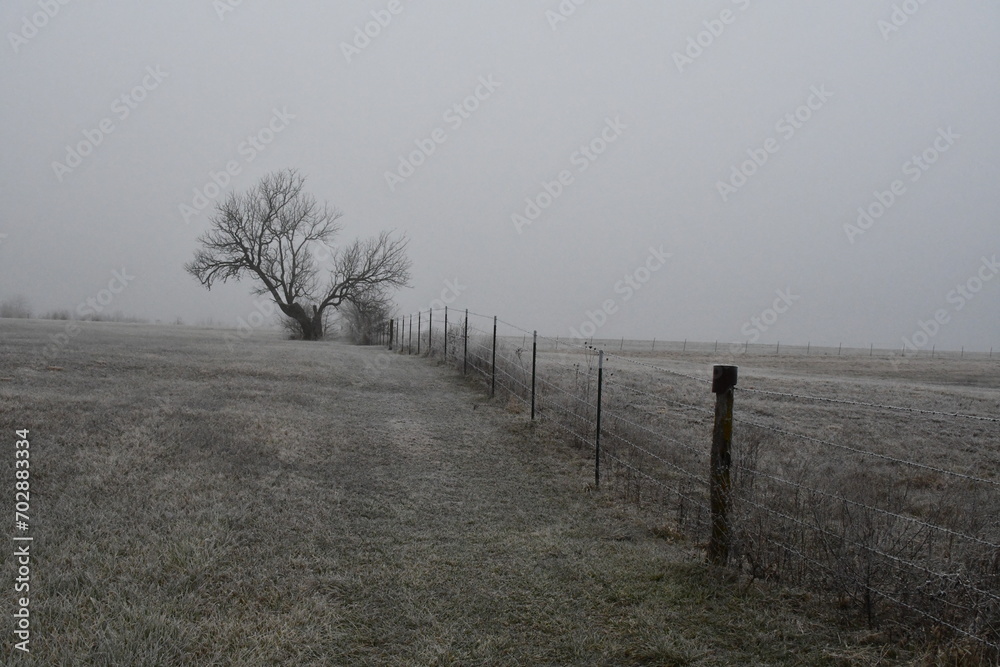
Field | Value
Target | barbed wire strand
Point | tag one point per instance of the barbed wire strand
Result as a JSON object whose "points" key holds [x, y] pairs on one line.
{"points": [[661, 436], [634, 390], [855, 503], [676, 492], [699, 479], [871, 549], [657, 368], [921, 612], [879, 406], [855, 450]]}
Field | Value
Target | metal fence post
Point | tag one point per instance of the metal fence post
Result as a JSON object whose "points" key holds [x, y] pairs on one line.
{"points": [[597, 439], [723, 385], [493, 380], [465, 337], [419, 315], [534, 356], [430, 332], [409, 344], [446, 333]]}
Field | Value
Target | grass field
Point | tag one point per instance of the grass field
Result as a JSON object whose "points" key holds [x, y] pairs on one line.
{"points": [[282, 502], [869, 478]]}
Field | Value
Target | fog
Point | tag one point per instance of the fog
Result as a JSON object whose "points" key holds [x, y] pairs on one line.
{"points": [[730, 170]]}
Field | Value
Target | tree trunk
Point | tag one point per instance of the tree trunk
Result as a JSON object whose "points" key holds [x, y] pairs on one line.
{"points": [[317, 324], [311, 327]]}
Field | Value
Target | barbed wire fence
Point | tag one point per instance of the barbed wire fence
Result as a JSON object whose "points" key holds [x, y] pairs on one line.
{"points": [[893, 510]]}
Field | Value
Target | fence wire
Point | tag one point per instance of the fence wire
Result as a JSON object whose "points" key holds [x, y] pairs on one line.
{"points": [[807, 508]]}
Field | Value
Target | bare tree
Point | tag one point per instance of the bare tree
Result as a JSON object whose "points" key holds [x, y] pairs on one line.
{"points": [[269, 234]]}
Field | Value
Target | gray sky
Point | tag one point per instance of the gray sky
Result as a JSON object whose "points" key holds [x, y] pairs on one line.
{"points": [[677, 98]]}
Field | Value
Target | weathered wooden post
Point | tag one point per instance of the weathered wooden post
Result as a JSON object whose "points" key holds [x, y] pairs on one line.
{"points": [[534, 355], [723, 386]]}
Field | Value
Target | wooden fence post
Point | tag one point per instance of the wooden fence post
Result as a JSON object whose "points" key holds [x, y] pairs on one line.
{"points": [[723, 385], [534, 355]]}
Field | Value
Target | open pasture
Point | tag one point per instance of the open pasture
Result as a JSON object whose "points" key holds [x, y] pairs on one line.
{"points": [[280, 502]]}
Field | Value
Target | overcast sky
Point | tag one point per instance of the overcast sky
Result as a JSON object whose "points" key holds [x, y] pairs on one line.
{"points": [[716, 153]]}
